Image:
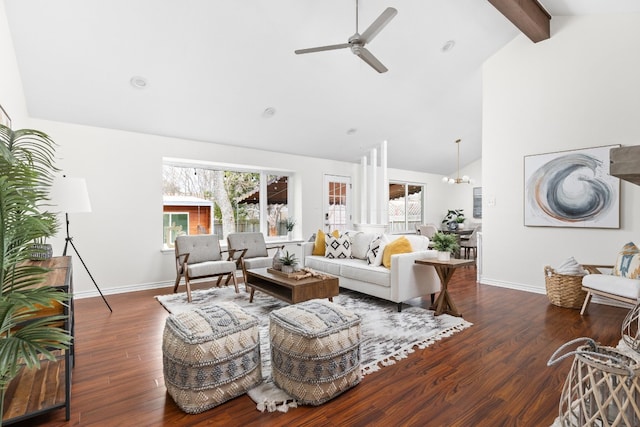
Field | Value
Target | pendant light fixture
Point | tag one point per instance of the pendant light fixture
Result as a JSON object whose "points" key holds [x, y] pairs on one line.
{"points": [[465, 179]]}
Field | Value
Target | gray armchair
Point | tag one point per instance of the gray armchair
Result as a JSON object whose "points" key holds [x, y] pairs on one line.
{"points": [[250, 251], [200, 256]]}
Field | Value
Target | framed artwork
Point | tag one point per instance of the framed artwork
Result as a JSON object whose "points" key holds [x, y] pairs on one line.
{"points": [[4, 118], [571, 189]]}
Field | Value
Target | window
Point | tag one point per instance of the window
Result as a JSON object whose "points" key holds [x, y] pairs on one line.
{"points": [[221, 200], [405, 206], [174, 225]]}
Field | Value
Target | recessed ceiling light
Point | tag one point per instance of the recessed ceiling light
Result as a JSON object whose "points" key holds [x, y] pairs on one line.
{"points": [[138, 82], [351, 131], [448, 45], [268, 112]]}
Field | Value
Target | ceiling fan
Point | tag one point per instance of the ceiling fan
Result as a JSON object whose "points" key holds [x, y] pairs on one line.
{"points": [[357, 41]]}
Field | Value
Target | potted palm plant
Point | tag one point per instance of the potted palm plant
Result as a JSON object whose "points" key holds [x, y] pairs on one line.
{"points": [[445, 244], [26, 175]]}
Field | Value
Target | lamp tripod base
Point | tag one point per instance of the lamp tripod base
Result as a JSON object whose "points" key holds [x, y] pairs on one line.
{"points": [[69, 240]]}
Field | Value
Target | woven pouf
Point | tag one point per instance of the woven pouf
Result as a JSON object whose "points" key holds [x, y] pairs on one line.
{"points": [[315, 350], [210, 355]]}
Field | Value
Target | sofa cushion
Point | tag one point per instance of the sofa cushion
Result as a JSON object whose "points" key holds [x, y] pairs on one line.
{"points": [[337, 247], [628, 262], [360, 242], [400, 245], [321, 263], [319, 246], [358, 269]]}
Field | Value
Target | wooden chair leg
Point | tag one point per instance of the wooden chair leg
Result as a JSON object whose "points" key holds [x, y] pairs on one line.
{"points": [[235, 282], [186, 279], [175, 287], [586, 303], [244, 277], [219, 280]]}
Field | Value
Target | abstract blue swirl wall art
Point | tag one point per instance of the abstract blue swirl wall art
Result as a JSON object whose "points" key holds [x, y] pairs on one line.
{"points": [[571, 189]]}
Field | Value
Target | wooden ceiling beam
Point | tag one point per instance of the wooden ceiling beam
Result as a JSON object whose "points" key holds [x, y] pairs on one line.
{"points": [[528, 15]]}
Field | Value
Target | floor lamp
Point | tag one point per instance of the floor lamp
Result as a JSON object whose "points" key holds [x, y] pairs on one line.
{"points": [[70, 195]]}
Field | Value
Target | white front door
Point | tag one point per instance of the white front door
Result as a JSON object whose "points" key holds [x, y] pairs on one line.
{"points": [[337, 208]]}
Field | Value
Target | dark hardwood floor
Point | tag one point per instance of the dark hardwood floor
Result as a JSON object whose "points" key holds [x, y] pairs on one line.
{"points": [[492, 374]]}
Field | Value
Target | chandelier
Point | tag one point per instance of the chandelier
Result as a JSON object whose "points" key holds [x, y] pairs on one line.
{"points": [[465, 179]]}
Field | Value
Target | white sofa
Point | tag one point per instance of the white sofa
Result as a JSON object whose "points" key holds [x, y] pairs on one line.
{"points": [[403, 281]]}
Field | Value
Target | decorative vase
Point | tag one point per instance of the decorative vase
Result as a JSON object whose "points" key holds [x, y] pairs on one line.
{"points": [[277, 263], [444, 256], [290, 235], [287, 269], [461, 226]]}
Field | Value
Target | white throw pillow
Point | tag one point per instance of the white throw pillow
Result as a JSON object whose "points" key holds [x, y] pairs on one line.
{"points": [[360, 242], [337, 247], [374, 250], [384, 240]]}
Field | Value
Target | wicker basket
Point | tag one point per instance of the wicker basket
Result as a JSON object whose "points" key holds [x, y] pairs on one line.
{"points": [[564, 290]]}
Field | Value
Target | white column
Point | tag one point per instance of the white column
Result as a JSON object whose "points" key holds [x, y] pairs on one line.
{"points": [[363, 191], [373, 203], [384, 185]]}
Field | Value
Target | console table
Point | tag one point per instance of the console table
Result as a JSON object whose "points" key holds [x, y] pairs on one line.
{"points": [[445, 270], [36, 391]]}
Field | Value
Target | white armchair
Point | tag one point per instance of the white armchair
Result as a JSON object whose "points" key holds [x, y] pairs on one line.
{"points": [[608, 286]]}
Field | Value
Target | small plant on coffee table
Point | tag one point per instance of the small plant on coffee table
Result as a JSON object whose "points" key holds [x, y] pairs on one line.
{"points": [[289, 261]]}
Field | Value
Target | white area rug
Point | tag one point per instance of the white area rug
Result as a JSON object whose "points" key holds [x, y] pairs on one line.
{"points": [[388, 336]]}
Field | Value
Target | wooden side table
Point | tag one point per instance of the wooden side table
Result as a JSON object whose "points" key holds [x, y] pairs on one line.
{"points": [[445, 270]]}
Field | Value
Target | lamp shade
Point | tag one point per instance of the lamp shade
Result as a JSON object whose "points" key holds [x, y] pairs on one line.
{"points": [[70, 195]]}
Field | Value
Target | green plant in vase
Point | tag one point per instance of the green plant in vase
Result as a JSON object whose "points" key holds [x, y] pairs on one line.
{"points": [[26, 174], [454, 219], [445, 244]]}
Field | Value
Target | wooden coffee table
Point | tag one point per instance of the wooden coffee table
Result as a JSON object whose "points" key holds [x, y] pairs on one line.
{"points": [[289, 289]]}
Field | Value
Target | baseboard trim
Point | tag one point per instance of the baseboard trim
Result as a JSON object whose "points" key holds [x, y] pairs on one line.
{"points": [[538, 290], [123, 289]]}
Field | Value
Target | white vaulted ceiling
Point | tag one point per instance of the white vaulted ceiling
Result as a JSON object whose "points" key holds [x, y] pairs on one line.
{"points": [[213, 67]]}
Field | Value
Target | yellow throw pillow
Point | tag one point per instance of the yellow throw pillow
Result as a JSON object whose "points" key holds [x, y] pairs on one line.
{"points": [[399, 246], [319, 245]]}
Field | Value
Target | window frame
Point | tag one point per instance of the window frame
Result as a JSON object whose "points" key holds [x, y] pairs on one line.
{"points": [[406, 185], [263, 171]]}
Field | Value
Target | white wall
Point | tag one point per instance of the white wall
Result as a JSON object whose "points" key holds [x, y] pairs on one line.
{"points": [[11, 94], [576, 90]]}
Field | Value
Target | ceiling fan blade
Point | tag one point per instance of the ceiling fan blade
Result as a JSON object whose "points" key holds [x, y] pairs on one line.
{"points": [[378, 24], [321, 48], [368, 57]]}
